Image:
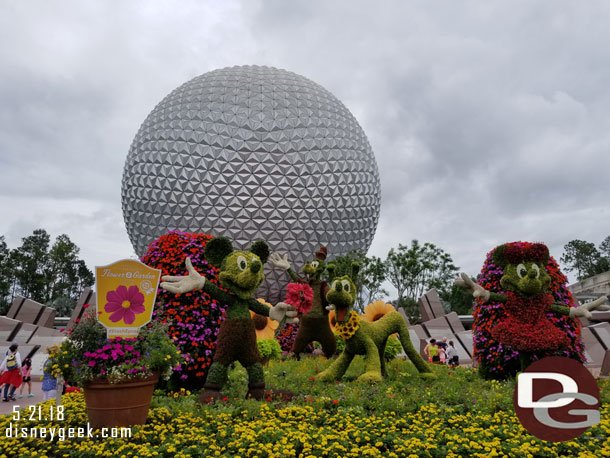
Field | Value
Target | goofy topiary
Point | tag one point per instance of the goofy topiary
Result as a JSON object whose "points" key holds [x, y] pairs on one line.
{"points": [[241, 273], [365, 338], [314, 325]]}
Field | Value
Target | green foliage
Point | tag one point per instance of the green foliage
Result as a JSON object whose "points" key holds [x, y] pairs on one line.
{"points": [[584, 258], [392, 348], [402, 391], [459, 416], [6, 276], [152, 352], [414, 270], [31, 259], [269, 348], [461, 301], [43, 272], [340, 344]]}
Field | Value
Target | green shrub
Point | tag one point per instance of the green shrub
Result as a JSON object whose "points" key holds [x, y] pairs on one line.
{"points": [[269, 348], [392, 348]]}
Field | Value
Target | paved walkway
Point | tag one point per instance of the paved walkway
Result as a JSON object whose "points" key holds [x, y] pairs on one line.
{"points": [[7, 407]]}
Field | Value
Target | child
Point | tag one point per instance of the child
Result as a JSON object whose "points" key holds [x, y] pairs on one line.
{"points": [[49, 381], [11, 373], [26, 372], [441, 352]]}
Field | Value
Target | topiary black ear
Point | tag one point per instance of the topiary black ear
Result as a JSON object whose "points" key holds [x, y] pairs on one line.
{"points": [[355, 270], [498, 256], [217, 249], [260, 249]]}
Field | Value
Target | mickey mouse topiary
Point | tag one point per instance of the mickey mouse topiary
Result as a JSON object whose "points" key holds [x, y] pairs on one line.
{"points": [[241, 273]]}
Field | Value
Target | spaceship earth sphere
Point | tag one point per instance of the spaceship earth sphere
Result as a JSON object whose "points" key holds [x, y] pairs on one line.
{"points": [[253, 152]]}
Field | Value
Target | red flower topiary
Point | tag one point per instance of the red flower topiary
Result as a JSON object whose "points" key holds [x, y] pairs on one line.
{"points": [[500, 361]]}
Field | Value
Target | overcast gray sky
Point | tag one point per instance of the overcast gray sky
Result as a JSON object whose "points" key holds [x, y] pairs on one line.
{"points": [[490, 121]]}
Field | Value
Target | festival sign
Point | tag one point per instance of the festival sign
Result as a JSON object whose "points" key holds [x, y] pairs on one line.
{"points": [[126, 293]]}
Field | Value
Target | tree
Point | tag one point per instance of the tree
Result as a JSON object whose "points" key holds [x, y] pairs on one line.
{"points": [[374, 273], [460, 300], [415, 269], [584, 258], [52, 275], [604, 247], [66, 275], [31, 260], [7, 277]]}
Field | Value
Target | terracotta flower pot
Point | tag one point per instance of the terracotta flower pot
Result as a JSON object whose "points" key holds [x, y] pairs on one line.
{"points": [[120, 404]]}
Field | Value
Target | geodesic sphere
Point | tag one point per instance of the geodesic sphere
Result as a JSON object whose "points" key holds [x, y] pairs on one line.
{"points": [[253, 153]]}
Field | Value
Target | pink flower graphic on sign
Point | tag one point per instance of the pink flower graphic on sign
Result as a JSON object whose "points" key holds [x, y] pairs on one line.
{"points": [[124, 304]]}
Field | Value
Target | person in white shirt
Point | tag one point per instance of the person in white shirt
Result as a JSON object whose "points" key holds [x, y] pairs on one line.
{"points": [[451, 355]]}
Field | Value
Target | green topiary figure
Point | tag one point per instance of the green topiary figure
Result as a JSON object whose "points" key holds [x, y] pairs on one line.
{"points": [[314, 324], [365, 338], [241, 273], [526, 317]]}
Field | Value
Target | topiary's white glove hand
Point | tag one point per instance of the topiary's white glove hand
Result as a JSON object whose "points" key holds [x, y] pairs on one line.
{"points": [[585, 309], [181, 285], [281, 310], [278, 261], [477, 291]]}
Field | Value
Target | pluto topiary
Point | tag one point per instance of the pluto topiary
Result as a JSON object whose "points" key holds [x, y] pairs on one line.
{"points": [[364, 338]]}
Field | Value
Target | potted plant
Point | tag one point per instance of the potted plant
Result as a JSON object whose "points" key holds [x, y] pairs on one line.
{"points": [[118, 376]]}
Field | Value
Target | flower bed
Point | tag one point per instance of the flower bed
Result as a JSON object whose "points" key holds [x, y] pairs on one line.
{"points": [[457, 415]]}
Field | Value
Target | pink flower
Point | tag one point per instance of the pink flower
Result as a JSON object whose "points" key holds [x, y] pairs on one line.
{"points": [[299, 295], [124, 304]]}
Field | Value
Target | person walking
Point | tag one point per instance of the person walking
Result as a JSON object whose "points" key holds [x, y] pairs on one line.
{"points": [[26, 374], [11, 373]]}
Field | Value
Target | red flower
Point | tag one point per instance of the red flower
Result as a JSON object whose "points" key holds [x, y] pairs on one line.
{"points": [[299, 295]]}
